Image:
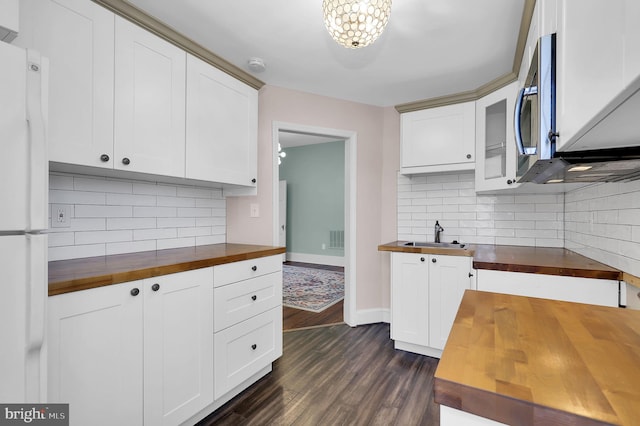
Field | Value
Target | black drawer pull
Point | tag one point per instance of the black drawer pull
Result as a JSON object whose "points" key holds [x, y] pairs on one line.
{"points": [[254, 297], [135, 291], [254, 346], [155, 287], [254, 268]]}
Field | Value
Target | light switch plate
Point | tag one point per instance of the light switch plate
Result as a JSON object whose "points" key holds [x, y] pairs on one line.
{"points": [[255, 210]]}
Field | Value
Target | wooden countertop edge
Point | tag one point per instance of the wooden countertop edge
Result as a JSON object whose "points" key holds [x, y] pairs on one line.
{"points": [[86, 283], [502, 408], [427, 250], [605, 272], [549, 270]]}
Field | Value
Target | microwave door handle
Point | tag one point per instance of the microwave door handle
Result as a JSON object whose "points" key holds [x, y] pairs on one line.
{"points": [[526, 91]]}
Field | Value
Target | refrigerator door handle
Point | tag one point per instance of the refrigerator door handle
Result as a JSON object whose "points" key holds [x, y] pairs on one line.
{"points": [[37, 73]]}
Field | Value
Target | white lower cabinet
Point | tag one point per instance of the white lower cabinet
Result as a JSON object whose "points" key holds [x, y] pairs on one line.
{"points": [[154, 351], [569, 289], [134, 353], [248, 320], [96, 355], [426, 291]]}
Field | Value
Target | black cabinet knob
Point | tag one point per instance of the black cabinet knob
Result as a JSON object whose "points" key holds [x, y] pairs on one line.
{"points": [[433, 260], [254, 346], [126, 161], [253, 180], [135, 291], [254, 268], [422, 259], [468, 156], [254, 297], [509, 182], [155, 287], [470, 274], [104, 158]]}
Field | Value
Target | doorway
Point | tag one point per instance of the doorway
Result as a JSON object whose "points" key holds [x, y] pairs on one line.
{"points": [[350, 141]]}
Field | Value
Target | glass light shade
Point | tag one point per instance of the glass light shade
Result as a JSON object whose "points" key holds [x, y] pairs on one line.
{"points": [[356, 23]]}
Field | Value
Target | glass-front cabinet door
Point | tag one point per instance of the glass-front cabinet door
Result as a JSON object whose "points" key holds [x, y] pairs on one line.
{"points": [[496, 153]]}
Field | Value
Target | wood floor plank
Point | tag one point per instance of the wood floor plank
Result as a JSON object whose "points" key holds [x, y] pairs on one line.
{"points": [[338, 375]]}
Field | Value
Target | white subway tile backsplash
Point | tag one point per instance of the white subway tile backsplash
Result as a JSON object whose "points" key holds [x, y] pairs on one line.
{"points": [[76, 197], [154, 234], [114, 223], [130, 247], [175, 243], [131, 200], [82, 183], [480, 219], [103, 211], [111, 216], [93, 237]]}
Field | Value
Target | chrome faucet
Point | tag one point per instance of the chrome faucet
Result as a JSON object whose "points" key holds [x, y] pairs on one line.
{"points": [[437, 230]]}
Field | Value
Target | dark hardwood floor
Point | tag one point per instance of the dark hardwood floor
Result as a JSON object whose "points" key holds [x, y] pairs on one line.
{"points": [[294, 319], [338, 375]]}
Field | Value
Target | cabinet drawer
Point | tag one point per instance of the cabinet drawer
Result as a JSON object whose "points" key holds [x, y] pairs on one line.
{"points": [[246, 348], [245, 299], [245, 269]]}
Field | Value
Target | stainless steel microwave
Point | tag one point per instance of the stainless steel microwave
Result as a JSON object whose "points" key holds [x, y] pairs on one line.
{"points": [[535, 110]]}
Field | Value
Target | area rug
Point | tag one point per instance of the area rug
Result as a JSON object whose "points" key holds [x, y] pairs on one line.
{"points": [[311, 289]]}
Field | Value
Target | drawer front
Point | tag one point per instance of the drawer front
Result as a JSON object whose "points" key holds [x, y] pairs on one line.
{"points": [[246, 348], [245, 269], [237, 302]]}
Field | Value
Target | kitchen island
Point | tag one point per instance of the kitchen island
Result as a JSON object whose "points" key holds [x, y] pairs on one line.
{"points": [[528, 361]]}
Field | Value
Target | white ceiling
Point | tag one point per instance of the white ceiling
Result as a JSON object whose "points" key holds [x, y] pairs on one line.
{"points": [[430, 48]]}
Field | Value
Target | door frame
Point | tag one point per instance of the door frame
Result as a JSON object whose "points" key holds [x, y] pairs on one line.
{"points": [[350, 154]]}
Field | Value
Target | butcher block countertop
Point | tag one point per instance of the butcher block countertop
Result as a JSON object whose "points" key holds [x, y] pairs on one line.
{"points": [[528, 361], [536, 260], [81, 274]]}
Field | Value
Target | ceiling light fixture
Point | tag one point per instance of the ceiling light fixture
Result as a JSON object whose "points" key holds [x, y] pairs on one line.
{"points": [[281, 154], [355, 23]]}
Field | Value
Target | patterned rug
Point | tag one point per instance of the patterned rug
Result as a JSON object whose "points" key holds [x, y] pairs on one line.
{"points": [[311, 289]]}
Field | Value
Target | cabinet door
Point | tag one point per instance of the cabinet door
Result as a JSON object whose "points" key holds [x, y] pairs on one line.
{"points": [[222, 126], [449, 277], [496, 153], [95, 354], [77, 37], [590, 68], [149, 102], [438, 139], [410, 298], [178, 346]]}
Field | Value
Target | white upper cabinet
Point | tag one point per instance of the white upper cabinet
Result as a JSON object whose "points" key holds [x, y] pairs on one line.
{"points": [[78, 38], [222, 126], [438, 139], [149, 102], [496, 153], [9, 20], [598, 50]]}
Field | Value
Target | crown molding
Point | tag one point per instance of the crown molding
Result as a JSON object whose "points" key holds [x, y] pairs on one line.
{"points": [[151, 24], [474, 95]]}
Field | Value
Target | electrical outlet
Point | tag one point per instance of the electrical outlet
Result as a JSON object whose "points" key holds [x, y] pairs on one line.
{"points": [[60, 215]]}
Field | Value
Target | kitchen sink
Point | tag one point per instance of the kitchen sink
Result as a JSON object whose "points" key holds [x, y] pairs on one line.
{"points": [[442, 245]]}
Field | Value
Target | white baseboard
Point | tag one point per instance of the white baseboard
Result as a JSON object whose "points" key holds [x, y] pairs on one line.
{"points": [[372, 316], [316, 258]]}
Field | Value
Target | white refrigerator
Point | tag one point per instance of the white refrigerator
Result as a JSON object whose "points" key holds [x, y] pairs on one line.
{"points": [[24, 181]]}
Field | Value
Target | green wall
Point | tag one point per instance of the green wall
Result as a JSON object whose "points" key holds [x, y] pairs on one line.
{"points": [[315, 196]]}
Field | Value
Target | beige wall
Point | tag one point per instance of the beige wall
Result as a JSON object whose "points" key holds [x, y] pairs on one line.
{"points": [[378, 141]]}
